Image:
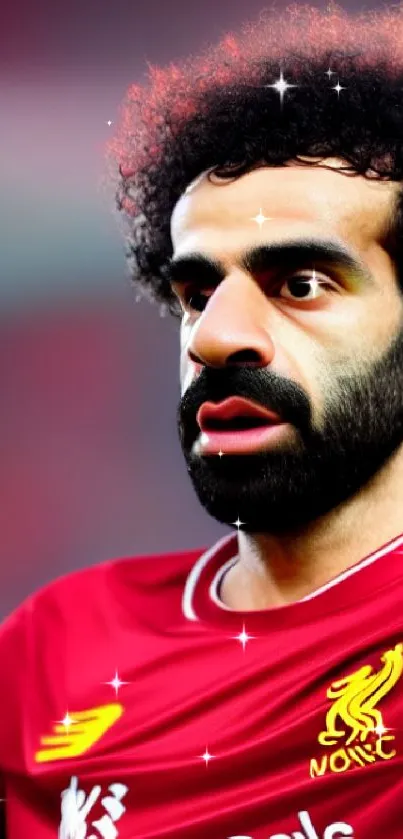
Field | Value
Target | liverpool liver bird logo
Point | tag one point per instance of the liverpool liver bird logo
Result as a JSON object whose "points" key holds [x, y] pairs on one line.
{"points": [[354, 700]]}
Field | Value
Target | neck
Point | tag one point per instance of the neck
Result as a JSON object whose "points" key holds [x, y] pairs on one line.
{"points": [[275, 570]]}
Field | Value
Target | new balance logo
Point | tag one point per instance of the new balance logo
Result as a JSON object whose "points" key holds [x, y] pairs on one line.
{"points": [[337, 830]]}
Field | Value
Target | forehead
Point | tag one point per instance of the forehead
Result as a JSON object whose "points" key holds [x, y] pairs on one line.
{"points": [[296, 197]]}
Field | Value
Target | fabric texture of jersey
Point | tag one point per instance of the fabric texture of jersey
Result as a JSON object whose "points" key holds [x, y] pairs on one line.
{"points": [[135, 705]]}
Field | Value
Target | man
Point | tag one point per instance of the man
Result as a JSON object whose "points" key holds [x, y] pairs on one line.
{"points": [[254, 689]]}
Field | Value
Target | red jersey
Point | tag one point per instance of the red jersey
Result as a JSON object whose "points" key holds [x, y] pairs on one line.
{"points": [[135, 705]]}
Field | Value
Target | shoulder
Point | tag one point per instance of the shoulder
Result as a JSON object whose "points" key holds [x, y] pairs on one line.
{"points": [[74, 597]]}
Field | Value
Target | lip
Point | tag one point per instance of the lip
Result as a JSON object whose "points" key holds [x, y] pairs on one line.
{"points": [[235, 406], [248, 441]]}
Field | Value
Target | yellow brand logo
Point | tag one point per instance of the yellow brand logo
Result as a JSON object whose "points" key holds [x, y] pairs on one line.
{"points": [[83, 730], [354, 718]]}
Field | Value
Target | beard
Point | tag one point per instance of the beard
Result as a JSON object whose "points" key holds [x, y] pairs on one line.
{"points": [[298, 480]]}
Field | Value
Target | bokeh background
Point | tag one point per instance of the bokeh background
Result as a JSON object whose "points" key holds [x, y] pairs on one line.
{"points": [[91, 466]]}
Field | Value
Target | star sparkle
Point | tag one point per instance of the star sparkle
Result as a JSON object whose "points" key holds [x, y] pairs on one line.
{"points": [[207, 756], [281, 86], [315, 283], [67, 721], [260, 218], [109, 122], [238, 523], [243, 637], [116, 683], [338, 88], [380, 729]]}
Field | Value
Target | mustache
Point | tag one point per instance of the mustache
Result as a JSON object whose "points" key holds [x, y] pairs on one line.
{"points": [[265, 387]]}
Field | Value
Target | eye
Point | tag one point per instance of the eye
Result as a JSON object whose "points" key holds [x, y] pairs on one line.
{"points": [[300, 285], [195, 300], [303, 283]]}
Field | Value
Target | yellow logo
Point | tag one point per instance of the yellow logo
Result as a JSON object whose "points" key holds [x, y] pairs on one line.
{"points": [[83, 729], [354, 718]]}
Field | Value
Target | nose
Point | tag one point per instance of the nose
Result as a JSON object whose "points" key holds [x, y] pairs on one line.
{"points": [[230, 330]]}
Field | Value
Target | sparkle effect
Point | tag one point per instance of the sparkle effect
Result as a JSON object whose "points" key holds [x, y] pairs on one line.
{"points": [[116, 683], [281, 86], [238, 523], [338, 88], [67, 721], [243, 637], [207, 756], [380, 729], [260, 218], [315, 283]]}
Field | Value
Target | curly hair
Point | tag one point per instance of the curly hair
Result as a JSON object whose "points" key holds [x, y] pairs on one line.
{"points": [[219, 111]]}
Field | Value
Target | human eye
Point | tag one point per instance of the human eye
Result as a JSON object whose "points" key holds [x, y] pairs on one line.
{"points": [[194, 299], [300, 284]]}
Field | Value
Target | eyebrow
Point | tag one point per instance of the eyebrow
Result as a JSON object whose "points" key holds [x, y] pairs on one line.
{"points": [[197, 267]]}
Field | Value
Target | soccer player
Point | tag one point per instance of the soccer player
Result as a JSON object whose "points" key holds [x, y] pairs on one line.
{"points": [[254, 689]]}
